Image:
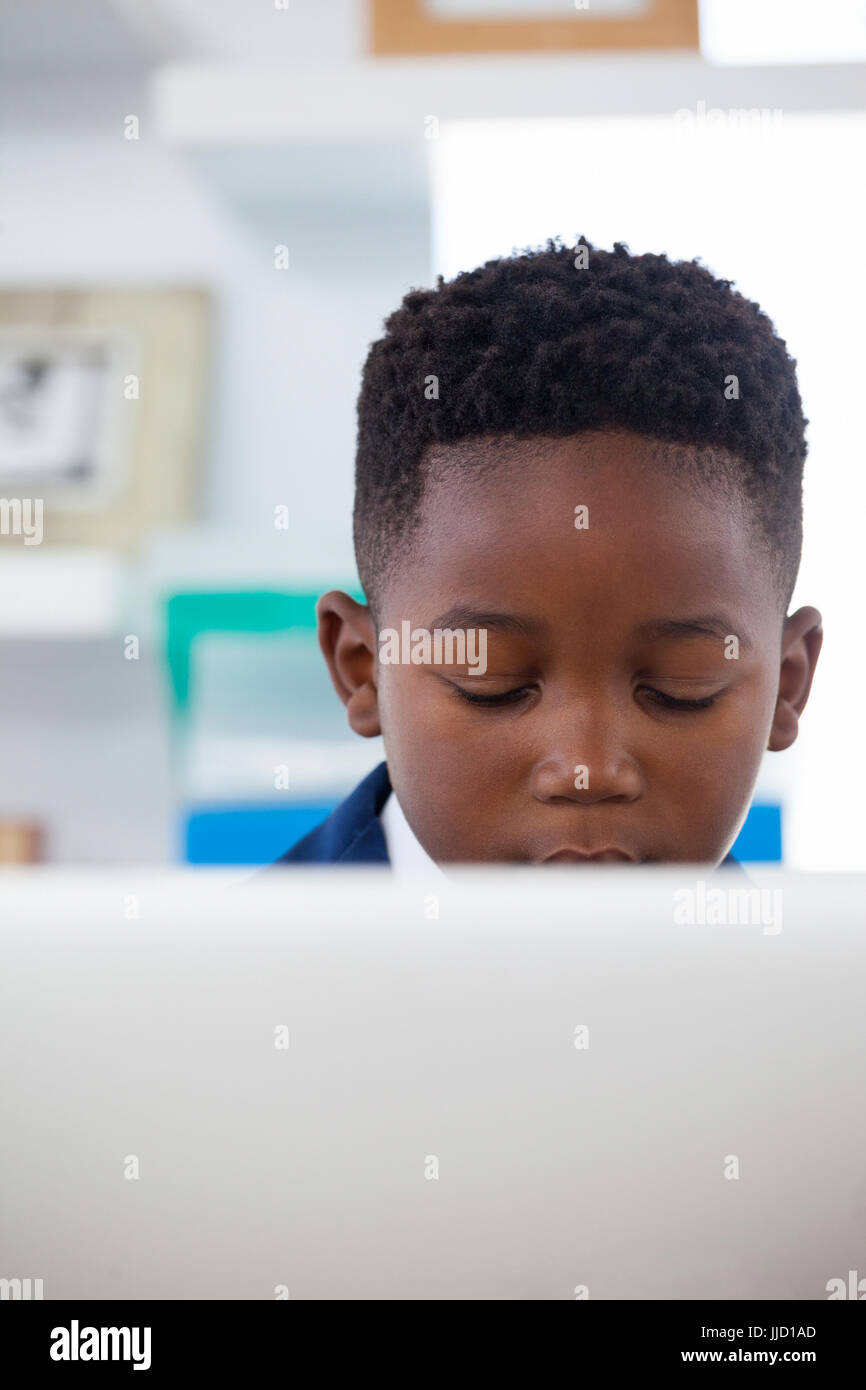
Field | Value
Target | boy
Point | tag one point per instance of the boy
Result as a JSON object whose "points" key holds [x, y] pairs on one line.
{"points": [[582, 469]]}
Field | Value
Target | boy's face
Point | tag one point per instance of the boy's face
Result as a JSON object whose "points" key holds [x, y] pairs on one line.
{"points": [[577, 743]]}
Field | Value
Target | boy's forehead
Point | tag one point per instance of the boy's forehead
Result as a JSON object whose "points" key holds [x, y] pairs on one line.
{"points": [[584, 520], [614, 458], [610, 487]]}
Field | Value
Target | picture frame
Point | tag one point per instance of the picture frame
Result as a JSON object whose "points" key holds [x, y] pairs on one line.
{"points": [[102, 408]]}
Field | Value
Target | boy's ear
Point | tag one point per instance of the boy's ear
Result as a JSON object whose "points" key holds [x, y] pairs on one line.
{"points": [[347, 637], [802, 635]]}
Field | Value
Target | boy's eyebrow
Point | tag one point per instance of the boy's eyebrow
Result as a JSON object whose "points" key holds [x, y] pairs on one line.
{"points": [[712, 625], [463, 616], [707, 625]]}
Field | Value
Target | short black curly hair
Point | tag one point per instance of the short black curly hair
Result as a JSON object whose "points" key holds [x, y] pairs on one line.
{"points": [[556, 340]]}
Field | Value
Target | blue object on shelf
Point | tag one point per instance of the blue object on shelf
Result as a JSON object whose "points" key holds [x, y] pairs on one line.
{"points": [[249, 834], [760, 840]]}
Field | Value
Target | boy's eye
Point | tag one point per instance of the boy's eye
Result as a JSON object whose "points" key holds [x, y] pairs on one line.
{"points": [[506, 697], [659, 697]]}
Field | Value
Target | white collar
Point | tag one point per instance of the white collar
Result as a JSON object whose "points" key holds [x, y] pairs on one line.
{"points": [[405, 851]]}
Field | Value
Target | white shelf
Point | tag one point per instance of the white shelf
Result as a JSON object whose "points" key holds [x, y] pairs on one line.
{"points": [[203, 104], [60, 592]]}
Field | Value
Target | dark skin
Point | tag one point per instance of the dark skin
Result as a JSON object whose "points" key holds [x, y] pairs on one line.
{"points": [[617, 666]]}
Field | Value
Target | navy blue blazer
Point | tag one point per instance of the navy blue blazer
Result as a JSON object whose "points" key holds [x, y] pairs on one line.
{"points": [[353, 833]]}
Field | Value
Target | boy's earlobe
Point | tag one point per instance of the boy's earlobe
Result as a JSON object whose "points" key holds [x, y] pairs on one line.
{"points": [[347, 637], [802, 637]]}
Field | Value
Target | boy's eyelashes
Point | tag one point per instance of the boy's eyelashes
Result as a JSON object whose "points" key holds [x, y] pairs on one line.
{"points": [[661, 698], [665, 701], [506, 697]]}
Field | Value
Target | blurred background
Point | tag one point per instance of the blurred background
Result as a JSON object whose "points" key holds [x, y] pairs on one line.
{"points": [[207, 209]]}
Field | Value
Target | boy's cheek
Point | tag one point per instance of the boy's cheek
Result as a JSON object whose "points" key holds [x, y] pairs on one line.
{"points": [[710, 791]]}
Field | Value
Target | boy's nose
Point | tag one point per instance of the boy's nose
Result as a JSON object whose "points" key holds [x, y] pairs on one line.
{"points": [[593, 776]]}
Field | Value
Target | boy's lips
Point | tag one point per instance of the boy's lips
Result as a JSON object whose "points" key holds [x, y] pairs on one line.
{"points": [[583, 856]]}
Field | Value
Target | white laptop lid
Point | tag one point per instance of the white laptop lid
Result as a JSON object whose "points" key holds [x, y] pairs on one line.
{"points": [[505, 1085]]}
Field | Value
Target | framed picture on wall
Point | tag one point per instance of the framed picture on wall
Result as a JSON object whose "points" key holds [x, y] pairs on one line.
{"points": [[102, 406], [512, 26], [61, 418]]}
